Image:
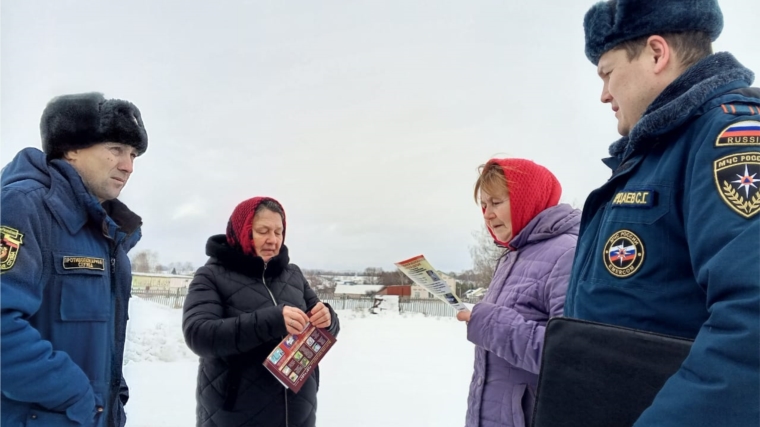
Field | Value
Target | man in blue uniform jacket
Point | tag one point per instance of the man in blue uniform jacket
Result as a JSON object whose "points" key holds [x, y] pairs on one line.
{"points": [[671, 242], [66, 278]]}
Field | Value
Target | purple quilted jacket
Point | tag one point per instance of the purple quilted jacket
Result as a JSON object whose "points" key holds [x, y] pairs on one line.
{"points": [[507, 327]]}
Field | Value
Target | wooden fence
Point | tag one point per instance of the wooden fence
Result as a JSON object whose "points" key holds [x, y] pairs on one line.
{"points": [[175, 298], [169, 297]]}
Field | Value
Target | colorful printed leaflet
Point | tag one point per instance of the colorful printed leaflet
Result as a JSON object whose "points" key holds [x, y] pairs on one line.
{"points": [[423, 274], [294, 359]]}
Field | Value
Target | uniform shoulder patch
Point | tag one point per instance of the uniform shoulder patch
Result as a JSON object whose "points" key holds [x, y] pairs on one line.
{"points": [[737, 177], [746, 132], [10, 243]]}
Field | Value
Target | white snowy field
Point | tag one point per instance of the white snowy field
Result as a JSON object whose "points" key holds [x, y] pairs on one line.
{"points": [[385, 370]]}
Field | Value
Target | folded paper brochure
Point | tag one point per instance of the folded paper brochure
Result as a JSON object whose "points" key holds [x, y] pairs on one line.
{"points": [[296, 356]]}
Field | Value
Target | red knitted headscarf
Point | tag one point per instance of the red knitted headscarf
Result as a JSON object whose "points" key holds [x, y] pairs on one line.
{"points": [[240, 225], [531, 187]]}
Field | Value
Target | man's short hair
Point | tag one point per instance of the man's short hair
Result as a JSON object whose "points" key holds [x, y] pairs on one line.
{"points": [[689, 46]]}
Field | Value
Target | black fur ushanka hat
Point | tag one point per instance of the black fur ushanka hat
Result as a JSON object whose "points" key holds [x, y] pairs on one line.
{"points": [[609, 23], [71, 122]]}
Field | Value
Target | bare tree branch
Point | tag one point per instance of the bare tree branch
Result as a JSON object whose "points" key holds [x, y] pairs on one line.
{"points": [[485, 254]]}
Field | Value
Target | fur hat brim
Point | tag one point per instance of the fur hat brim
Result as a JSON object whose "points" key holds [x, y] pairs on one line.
{"points": [[609, 23]]}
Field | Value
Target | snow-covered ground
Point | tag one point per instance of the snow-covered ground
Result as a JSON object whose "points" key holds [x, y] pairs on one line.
{"points": [[385, 370]]}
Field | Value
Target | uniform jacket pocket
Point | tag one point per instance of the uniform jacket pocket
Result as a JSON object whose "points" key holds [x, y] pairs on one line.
{"points": [[85, 288]]}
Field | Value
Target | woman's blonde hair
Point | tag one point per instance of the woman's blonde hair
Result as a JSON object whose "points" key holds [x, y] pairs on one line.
{"points": [[491, 180]]}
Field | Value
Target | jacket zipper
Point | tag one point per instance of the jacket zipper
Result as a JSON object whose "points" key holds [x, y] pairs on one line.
{"points": [[263, 279], [113, 391], [285, 390]]}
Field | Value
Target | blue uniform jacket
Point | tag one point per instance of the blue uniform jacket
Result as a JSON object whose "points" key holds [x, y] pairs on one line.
{"points": [[65, 287], [671, 243]]}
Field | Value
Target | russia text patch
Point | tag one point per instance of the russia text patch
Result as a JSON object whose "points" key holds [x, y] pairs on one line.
{"points": [[741, 133]]}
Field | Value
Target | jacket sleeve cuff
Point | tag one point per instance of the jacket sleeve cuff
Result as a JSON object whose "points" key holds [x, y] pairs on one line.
{"points": [[476, 327], [83, 410], [334, 327], [273, 316]]}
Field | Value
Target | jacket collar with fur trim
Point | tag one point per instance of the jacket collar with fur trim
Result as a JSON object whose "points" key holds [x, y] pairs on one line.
{"points": [[253, 266], [681, 100]]}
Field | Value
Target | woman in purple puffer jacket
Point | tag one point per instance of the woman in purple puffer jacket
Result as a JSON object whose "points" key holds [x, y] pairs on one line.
{"points": [[520, 206]]}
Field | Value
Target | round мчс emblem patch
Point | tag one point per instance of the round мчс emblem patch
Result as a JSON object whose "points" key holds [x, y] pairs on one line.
{"points": [[623, 253]]}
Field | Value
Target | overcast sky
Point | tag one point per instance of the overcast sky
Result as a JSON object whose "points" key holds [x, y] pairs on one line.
{"points": [[366, 119]]}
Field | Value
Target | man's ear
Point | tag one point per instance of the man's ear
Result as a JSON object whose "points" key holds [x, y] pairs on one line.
{"points": [[659, 50], [71, 155]]}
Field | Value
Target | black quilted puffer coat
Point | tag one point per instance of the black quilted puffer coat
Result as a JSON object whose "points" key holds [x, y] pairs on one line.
{"points": [[233, 320]]}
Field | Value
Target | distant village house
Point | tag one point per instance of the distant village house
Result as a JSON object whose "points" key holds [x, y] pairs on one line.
{"points": [[149, 281]]}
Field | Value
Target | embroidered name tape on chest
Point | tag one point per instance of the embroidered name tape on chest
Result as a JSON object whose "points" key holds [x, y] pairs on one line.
{"points": [[83, 262], [640, 198], [746, 132]]}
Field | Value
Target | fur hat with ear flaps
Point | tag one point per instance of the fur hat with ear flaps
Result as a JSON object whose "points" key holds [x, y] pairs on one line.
{"points": [[71, 122], [609, 23]]}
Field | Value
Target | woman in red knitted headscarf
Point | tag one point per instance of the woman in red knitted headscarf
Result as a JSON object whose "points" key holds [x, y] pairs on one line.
{"points": [[239, 306], [520, 204]]}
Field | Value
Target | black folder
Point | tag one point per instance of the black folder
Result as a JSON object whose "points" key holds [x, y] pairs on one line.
{"points": [[597, 375]]}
